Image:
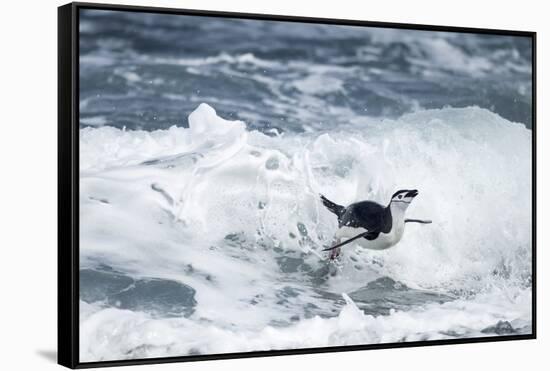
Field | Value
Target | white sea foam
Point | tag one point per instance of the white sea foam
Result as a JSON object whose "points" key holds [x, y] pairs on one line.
{"points": [[316, 84], [108, 334], [245, 58], [232, 203]]}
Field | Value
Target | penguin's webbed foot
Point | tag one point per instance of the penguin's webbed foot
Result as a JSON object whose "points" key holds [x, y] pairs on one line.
{"points": [[334, 253]]}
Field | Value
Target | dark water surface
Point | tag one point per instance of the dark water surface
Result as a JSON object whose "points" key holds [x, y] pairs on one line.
{"points": [[149, 71]]}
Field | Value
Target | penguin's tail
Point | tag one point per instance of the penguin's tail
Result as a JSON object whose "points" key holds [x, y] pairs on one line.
{"points": [[335, 208]]}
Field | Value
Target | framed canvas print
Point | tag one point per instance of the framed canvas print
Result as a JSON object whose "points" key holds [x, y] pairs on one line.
{"points": [[237, 185]]}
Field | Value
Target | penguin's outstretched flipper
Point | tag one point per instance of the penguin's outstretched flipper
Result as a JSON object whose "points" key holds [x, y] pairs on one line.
{"points": [[368, 235], [418, 221]]}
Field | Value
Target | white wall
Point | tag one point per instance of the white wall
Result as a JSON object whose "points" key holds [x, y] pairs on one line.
{"points": [[28, 183]]}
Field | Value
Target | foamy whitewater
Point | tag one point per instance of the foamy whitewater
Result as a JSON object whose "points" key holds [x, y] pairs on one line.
{"points": [[207, 239]]}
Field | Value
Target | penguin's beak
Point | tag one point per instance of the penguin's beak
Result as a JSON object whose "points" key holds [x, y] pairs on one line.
{"points": [[412, 193]]}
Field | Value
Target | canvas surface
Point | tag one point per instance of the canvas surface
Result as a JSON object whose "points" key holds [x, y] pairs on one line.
{"points": [[204, 146]]}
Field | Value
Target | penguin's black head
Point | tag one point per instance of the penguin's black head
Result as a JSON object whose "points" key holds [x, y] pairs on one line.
{"points": [[404, 196]]}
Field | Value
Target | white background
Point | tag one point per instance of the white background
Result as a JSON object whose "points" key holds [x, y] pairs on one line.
{"points": [[28, 155]]}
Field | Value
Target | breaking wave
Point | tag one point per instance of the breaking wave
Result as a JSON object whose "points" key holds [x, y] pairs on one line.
{"points": [[226, 222]]}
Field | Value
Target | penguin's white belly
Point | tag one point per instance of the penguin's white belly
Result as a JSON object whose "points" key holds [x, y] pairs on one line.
{"points": [[382, 242]]}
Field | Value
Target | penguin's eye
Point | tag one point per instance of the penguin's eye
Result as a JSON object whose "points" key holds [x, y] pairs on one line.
{"points": [[400, 197]]}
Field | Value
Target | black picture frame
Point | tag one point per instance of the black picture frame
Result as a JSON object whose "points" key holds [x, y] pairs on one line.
{"points": [[68, 183]]}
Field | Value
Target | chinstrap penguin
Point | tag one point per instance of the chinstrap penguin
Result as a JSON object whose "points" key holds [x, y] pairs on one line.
{"points": [[374, 226]]}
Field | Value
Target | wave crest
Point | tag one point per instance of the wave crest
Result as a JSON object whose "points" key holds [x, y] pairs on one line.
{"points": [[234, 214]]}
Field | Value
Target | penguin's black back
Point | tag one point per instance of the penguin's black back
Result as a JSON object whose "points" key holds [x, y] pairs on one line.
{"points": [[368, 215]]}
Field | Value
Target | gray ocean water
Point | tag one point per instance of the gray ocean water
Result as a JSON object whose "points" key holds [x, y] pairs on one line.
{"points": [[149, 71]]}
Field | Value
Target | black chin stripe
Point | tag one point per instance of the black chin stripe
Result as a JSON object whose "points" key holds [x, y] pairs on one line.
{"points": [[405, 202]]}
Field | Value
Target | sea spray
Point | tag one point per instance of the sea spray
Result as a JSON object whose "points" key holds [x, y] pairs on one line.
{"points": [[239, 221]]}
